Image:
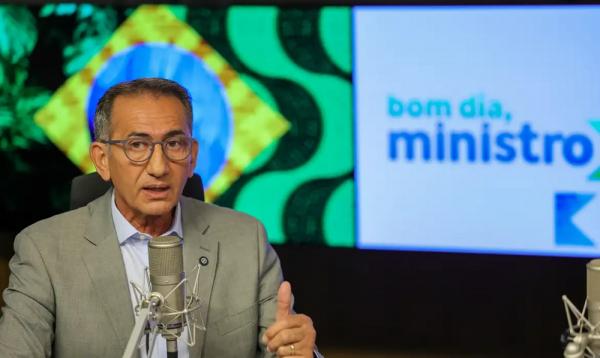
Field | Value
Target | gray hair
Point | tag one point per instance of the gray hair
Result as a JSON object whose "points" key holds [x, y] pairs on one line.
{"points": [[154, 86]]}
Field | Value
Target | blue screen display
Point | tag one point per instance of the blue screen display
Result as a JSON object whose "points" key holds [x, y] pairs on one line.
{"points": [[478, 129]]}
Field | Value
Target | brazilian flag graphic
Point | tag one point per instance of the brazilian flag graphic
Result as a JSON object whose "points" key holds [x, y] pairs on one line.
{"points": [[271, 91], [154, 43]]}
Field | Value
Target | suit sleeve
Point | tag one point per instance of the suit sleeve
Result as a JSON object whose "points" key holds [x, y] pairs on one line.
{"points": [[270, 278], [26, 325]]}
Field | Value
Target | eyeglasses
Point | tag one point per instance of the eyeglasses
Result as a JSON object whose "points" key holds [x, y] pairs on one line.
{"points": [[139, 150]]}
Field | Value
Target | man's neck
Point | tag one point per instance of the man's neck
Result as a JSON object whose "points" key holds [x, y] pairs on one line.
{"points": [[146, 224], [151, 225]]}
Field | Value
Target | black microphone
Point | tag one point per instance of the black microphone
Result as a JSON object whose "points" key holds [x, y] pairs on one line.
{"points": [[165, 256]]}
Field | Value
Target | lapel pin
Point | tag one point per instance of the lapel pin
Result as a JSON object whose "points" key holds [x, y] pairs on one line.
{"points": [[203, 260]]}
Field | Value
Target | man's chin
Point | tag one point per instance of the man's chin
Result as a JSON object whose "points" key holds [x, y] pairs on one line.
{"points": [[158, 208]]}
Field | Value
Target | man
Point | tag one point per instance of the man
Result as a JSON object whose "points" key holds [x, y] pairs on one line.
{"points": [[69, 293]]}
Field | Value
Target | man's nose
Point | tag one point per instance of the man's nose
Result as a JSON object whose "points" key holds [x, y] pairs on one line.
{"points": [[158, 164]]}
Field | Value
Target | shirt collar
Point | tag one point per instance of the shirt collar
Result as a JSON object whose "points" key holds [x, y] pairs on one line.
{"points": [[125, 230]]}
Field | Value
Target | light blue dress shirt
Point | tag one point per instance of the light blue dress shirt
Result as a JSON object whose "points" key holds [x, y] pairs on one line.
{"points": [[134, 249]]}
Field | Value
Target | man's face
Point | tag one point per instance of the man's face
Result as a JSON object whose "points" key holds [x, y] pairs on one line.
{"points": [[151, 188]]}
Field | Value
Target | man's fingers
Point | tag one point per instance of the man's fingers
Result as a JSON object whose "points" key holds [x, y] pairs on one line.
{"points": [[279, 326], [286, 338], [284, 301], [292, 322], [291, 352]]}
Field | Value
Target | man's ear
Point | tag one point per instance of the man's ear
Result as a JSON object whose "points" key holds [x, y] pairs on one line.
{"points": [[99, 156], [193, 157]]}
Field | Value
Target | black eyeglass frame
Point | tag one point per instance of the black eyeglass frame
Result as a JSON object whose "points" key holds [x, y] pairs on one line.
{"points": [[153, 144]]}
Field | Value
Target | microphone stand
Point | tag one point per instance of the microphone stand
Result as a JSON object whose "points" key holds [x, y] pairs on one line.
{"points": [[171, 348], [141, 321]]}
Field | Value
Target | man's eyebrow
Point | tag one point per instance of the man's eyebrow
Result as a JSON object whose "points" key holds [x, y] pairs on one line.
{"points": [[174, 133], [138, 134], [167, 135]]}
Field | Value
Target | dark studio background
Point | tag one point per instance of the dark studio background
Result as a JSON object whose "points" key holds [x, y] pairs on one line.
{"points": [[363, 302]]}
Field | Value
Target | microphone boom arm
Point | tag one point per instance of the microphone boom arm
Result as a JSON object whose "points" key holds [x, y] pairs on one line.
{"points": [[141, 321]]}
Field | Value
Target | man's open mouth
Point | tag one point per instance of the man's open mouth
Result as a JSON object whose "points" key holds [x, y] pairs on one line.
{"points": [[156, 188]]}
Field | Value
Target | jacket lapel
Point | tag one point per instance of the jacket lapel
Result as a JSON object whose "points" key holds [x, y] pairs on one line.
{"points": [[198, 246], [104, 263]]}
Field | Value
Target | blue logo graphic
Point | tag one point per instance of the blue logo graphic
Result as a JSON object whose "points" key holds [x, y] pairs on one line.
{"points": [[566, 205], [212, 122]]}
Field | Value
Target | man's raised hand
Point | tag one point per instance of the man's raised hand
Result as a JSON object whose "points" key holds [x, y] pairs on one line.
{"points": [[292, 335]]}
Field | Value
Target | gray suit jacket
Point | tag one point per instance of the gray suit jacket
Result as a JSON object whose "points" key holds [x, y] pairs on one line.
{"points": [[68, 294]]}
